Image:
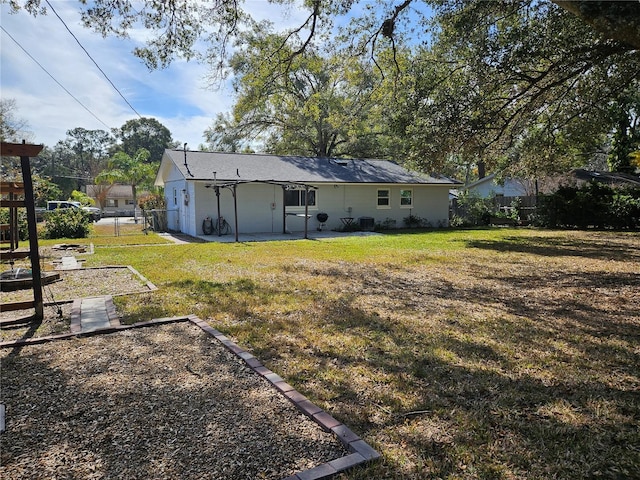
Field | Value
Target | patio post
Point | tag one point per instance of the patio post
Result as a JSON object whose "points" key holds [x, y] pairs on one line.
{"points": [[306, 210], [217, 189], [284, 209], [235, 208]]}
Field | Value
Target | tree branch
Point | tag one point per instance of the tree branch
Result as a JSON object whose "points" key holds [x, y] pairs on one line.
{"points": [[618, 20]]}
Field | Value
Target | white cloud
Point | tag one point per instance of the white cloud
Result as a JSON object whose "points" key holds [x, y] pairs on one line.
{"points": [[173, 95], [177, 96]]}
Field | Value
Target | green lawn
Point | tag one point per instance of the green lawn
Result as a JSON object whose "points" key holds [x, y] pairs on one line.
{"points": [[498, 353]]}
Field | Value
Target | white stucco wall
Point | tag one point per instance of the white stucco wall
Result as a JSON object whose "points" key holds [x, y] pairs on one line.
{"points": [[429, 202], [260, 206]]}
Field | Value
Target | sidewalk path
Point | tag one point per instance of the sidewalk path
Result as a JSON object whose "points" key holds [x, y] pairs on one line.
{"points": [[94, 313]]}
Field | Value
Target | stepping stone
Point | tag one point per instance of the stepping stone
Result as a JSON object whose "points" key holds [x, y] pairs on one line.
{"points": [[69, 263], [93, 314]]}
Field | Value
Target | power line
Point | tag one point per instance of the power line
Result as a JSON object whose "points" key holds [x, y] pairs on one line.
{"points": [[91, 58], [54, 78]]}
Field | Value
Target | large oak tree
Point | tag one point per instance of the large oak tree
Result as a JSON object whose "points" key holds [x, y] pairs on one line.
{"points": [[317, 105], [144, 133], [527, 86]]}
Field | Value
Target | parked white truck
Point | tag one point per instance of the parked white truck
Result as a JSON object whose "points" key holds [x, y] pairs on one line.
{"points": [[96, 213]]}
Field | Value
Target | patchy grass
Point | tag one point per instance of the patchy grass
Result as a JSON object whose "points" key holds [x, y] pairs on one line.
{"points": [[124, 233], [496, 353]]}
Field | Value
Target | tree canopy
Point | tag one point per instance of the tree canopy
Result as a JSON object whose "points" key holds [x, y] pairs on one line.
{"points": [[83, 155], [491, 81], [134, 170], [318, 105], [177, 26], [147, 133], [526, 77]]}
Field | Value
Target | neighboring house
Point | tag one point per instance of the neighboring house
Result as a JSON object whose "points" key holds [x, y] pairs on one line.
{"points": [[112, 199], [503, 194], [266, 193], [518, 187], [511, 187], [615, 179]]}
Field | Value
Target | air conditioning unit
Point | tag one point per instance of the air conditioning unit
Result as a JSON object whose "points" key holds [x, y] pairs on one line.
{"points": [[366, 223]]}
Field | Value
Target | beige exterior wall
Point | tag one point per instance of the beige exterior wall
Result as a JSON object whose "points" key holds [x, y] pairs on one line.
{"points": [[260, 206]]}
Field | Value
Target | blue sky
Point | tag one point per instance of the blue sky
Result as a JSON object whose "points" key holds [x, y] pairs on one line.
{"points": [[178, 96]]}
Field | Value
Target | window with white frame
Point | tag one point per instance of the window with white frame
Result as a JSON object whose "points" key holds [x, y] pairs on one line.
{"points": [[175, 197], [129, 201], [111, 202], [296, 198], [406, 198], [384, 198]]}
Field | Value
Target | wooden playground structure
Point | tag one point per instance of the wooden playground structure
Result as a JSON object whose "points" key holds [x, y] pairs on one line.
{"points": [[16, 195]]}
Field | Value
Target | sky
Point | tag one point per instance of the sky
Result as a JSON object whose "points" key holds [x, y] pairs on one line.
{"points": [[178, 96]]}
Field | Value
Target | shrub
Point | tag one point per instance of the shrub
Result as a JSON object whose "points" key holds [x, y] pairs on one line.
{"points": [[458, 221], [625, 210], [474, 210], [386, 224], [152, 201], [83, 198], [67, 223], [412, 221], [591, 205], [23, 227]]}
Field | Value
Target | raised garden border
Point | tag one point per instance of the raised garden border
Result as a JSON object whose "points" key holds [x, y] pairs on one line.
{"points": [[360, 451]]}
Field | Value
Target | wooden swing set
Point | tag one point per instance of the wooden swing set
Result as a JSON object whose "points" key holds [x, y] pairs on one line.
{"points": [[15, 195]]}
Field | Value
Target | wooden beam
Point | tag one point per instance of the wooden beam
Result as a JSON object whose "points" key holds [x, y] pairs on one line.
{"points": [[13, 306], [17, 322], [20, 149], [17, 188], [33, 237], [12, 203], [12, 255]]}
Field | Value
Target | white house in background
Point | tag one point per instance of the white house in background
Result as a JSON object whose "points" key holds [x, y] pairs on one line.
{"points": [[511, 187], [266, 193]]}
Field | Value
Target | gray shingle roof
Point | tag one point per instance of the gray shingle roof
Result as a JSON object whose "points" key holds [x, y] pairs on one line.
{"points": [[258, 167]]}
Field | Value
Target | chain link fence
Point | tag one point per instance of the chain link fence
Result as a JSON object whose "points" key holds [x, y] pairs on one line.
{"points": [[131, 223]]}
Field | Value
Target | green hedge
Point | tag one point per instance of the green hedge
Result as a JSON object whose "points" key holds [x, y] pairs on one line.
{"points": [[67, 223], [593, 205]]}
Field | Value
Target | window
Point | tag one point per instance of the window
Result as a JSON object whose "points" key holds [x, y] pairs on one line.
{"points": [[111, 202], [406, 198], [295, 198], [384, 199], [129, 201], [175, 197]]}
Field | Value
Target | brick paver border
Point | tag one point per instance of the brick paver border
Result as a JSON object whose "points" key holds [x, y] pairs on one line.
{"points": [[360, 451]]}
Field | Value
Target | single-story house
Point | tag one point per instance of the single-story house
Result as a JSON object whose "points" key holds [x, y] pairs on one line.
{"points": [[258, 193], [509, 187], [615, 179], [521, 187], [113, 199]]}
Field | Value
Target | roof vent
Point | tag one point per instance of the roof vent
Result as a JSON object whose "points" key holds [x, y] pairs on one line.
{"points": [[342, 163]]}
